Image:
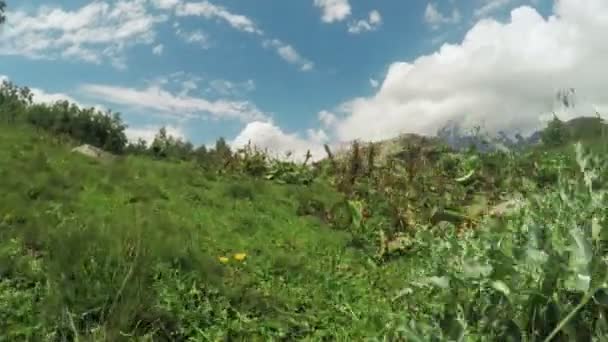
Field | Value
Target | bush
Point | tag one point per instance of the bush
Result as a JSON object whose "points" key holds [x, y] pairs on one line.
{"points": [[240, 191], [541, 275], [85, 125], [555, 134]]}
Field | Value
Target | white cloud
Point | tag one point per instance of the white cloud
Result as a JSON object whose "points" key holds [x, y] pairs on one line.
{"points": [[374, 83], [240, 22], [157, 99], [158, 49], [42, 96], [491, 6], [229, 88], [333, 10], [188, 86], [502, 76], [209, 10], [327, 118], [371, 24], [148, 132], [267, 136], [96, 32], [195, 37], [289, 54], [435, 18], [165, 4]]}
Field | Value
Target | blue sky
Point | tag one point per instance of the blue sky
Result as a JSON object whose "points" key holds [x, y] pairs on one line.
{"points": [[289, 74]]}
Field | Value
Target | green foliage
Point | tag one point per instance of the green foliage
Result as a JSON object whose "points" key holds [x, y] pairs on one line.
{"points": [[555, 134], [284, 172], [252, 161], [215, 244], [85, 125], [129, 250], [241, 191], [537, 276], [166, 146]]}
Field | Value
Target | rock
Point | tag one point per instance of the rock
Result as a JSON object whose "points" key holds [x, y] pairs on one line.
{"points": [[92, 151]]}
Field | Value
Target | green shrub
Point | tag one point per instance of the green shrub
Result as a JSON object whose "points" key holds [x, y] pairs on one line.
{"points": [[240, 191]]}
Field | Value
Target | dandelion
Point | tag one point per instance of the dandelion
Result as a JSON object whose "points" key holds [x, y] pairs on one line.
{"points": [[223, 259], [240, 256]]}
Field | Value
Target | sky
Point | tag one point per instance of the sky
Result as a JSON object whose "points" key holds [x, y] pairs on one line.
{"points": [[293, 75]]}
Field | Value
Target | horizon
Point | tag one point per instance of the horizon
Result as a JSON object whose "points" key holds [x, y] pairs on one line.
{"points": [[320, 72]]}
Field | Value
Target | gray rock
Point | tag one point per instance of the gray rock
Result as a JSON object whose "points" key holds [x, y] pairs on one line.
{"points": [[92, 151]]}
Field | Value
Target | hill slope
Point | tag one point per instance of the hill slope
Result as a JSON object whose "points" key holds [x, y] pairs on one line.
{"points": [[138, 249], [133, 247]]}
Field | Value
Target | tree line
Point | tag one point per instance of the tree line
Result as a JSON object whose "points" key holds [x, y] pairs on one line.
{"points": [[103, 129]]}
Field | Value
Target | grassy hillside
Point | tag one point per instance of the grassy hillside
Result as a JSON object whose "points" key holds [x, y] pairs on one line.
{"points": [[155, 250], [133, 247]]}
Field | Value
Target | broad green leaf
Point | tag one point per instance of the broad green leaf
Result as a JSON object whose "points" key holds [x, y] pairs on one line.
{"points": [[582, 282], [466, 178], [583, 247], [356, 208], [499, 285]]}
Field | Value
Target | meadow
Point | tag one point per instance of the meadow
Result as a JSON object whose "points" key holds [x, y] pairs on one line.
{"points": [[173, 243]]}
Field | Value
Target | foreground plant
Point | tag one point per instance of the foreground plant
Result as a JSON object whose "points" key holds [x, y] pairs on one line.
{"points": [[540, 275]]}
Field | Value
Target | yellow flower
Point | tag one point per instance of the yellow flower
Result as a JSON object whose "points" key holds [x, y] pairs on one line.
{"points": [[240, 256], [223, 259]]}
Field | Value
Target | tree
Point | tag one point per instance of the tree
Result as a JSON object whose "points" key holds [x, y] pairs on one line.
{"points": [[139, 147], [159, 145], [556, 133], [2, 10]]}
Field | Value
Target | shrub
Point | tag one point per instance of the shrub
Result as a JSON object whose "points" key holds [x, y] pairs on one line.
{"points": [[240, 191]]}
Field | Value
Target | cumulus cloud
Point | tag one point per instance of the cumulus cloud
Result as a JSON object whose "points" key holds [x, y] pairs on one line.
{"points": [[289, 54], [327, 118], [93, 33], [435, 18], [333, 10], [374, 83], [267, 136], [371, 24], [163, 102], [502, 75]]}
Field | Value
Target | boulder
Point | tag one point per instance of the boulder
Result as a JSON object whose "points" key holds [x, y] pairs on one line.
{"points": [[92, 151]]}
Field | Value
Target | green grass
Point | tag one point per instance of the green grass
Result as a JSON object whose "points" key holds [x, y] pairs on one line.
{"points": [[129, 250], [132, 247]]}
